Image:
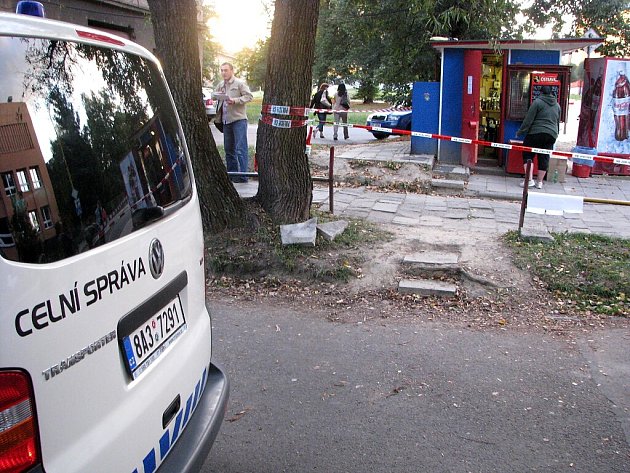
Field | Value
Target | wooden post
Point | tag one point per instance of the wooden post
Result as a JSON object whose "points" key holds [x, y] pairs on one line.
{"points": [[331, 166], [525, 193]]}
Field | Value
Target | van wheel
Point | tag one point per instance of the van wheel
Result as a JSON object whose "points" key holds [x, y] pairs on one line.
{"points": [[380, 135]]}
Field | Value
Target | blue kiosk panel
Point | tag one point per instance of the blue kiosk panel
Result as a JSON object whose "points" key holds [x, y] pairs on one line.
{"points": [[425, 116], [452, 90]]}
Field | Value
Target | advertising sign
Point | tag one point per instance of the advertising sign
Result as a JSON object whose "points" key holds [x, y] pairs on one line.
{"points": [[540, 79], [604, 113]]}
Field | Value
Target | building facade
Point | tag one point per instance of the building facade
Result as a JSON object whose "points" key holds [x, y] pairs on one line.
{"points": [[129, 19], [27, 192]]}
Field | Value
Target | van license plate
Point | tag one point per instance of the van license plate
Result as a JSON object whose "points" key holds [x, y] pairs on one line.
{"points": [[145, 344]]}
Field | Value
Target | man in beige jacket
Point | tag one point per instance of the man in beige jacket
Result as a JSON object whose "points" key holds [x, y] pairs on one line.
{"points": [[234, 117]]}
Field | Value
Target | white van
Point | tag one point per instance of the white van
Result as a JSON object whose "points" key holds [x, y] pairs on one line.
{"points": [[105, 340]]}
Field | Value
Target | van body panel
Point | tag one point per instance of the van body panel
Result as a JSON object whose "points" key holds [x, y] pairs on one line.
{"points": [[102, 303]]}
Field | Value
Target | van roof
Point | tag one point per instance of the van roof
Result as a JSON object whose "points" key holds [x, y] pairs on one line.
{"points": [[12, 24]]}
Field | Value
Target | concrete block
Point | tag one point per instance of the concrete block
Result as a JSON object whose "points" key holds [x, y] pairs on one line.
{"points": [[299, 233], [386, 207], [432, 258], [535, 234], [452, 172], [426, 287], [407, 221], [331, 230], [447, 184]]}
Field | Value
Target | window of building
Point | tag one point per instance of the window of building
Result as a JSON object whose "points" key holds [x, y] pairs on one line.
{"points": [[6, 237], [36, 178], [8, 183], [32, 216], [46, 216], [22, 180]]}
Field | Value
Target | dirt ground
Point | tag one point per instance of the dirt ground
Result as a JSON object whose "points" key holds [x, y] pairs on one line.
{"points": [[492, 291]]}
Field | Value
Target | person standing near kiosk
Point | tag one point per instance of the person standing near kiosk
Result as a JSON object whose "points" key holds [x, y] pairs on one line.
{"points": [[540, 127]]}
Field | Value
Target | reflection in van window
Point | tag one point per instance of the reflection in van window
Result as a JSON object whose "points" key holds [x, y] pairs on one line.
{"points": [[88, 140]]}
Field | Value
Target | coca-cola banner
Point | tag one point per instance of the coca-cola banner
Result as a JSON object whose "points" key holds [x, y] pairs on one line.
{"points": [[604, 113]]}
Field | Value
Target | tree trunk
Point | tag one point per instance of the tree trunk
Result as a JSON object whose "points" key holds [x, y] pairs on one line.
{"points": [[285, 188], [175, 29]]}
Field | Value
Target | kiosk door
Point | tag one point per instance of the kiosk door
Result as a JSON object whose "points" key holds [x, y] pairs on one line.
{"points": [[470, 105]]}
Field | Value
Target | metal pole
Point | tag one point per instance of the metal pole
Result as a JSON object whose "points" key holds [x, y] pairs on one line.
{"points": [[525, 192], [331, 166], [595, 200]]}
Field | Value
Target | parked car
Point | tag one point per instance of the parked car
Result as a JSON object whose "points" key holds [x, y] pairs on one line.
{"points": [[209, 103], [105, 339], [394, 120]]}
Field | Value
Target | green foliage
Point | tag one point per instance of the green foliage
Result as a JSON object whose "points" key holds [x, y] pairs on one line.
{"points": [[210, 49], [253, 110], [588, 271], [387, 42], [610, 19], [253, 63]]}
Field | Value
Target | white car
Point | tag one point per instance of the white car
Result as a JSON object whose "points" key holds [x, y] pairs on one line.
{"points": [[105, 339], [209, 103]]}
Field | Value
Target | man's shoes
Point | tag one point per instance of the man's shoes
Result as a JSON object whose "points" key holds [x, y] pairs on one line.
{"points": [[539, 185], [531, 183], [335, 138], [321, 135]]}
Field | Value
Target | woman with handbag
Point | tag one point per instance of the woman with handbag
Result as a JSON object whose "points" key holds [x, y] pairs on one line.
{"points": [[540, 127], [340, 109], [320, 101]]}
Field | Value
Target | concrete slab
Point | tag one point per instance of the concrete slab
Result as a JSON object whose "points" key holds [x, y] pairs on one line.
{"points": [[536, 234], [426, 287], [303, 233], [431, 221], [452, 172], [331, 230], [432, 258], [447, 184], [385, 207], [457, 214], [407, 221]]}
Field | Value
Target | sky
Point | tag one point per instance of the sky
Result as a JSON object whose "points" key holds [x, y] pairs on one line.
{"points": [[239, 23]]}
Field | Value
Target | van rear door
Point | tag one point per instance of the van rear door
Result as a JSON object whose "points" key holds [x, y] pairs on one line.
{"points": [[101, 248]]}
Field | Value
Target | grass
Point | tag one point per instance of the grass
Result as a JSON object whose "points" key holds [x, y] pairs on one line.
{"points": [[589, 272], [260, 253], [357, 116]]}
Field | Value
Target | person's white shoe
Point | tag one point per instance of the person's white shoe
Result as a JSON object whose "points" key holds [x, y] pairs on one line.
{"points": [[539, 185], [530, 184]]}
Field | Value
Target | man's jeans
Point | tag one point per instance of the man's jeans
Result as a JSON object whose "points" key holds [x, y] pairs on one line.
{"points": [[235, 144]]}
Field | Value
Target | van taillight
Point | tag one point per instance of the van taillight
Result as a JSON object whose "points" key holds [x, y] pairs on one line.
{"points": [[18, 438]]}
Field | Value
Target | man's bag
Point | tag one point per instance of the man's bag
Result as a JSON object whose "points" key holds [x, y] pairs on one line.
{"points": [[218, 117]]}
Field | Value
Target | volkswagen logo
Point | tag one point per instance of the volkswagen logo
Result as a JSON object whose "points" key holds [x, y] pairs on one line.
{"points": [[156, 258]]}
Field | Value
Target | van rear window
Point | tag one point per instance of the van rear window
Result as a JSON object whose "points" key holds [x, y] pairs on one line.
{"points": [[90, 148]]}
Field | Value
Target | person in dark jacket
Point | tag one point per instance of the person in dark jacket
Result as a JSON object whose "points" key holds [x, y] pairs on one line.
{"points": [[340, 110], [540, 127], [321, 100]]}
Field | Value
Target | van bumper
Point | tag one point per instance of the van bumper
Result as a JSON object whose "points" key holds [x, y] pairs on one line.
{"points": [[194, 444]]}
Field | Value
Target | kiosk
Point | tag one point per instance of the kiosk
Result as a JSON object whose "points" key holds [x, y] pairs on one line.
{"points": [[484, 91]]}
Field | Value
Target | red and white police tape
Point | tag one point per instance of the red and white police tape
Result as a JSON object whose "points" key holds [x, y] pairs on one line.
{"points": [[303, 111]]}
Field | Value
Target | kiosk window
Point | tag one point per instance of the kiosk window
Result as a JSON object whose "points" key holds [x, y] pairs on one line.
{"points": [[521, 91], [518, 94]]}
